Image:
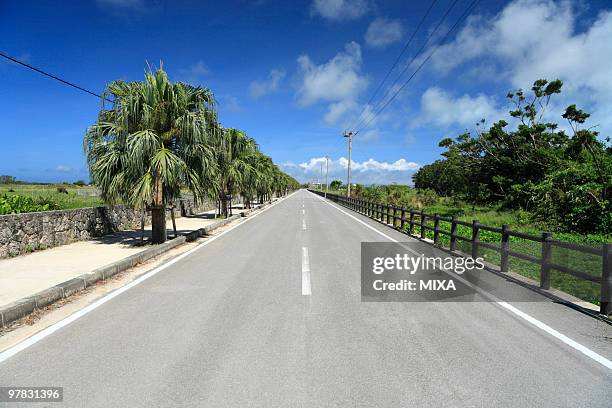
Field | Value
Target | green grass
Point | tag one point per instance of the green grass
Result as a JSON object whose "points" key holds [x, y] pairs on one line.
{"points": [[49, 193]]}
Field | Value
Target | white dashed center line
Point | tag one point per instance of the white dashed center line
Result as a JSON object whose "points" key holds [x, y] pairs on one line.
{"points": [[306, 289]]}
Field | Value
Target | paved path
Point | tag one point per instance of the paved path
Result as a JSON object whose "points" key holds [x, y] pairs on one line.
{"points": [[280, 323], [26, 275]]}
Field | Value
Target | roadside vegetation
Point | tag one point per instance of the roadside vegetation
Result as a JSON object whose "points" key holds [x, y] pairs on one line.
{"points": [[535, 178], [495, 216], [21, 197], [561, 177], [156, 142], [159, 138]]}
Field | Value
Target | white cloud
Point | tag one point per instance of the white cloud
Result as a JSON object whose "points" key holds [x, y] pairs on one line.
{"points": [[340, 9], [368, 135], [366, 172], [338, 82], [337, 110], [269, 85], [338, 79], [230, 103], [440, 108], [532, 39], [194, 73], [382, 32], [60, 168]]}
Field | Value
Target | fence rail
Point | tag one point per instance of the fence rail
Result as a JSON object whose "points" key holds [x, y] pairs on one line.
{"points": [[406, 220]]}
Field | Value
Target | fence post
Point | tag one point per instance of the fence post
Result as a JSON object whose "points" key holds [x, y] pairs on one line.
{"points": [[423, 223], [605, 307], [475, 238], [403, 220], [436, 228], [412, 221], [546, 258], [394, 216], [382, 214], [505, 246], [453, 233]]}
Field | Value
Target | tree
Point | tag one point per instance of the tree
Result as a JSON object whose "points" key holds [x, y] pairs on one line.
{"points": [[233, 156], [154, 140], [335, 185], [7, 179], [79, 183], [563, 179], [265, 178]]}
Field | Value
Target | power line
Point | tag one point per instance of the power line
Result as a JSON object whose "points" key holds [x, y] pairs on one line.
{"points": [[40, 71], [467, 12], [357, 120], [414, 57]]}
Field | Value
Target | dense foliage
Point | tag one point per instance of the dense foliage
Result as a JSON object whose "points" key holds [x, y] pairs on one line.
{"points": [[15, 204], [7, 179], [160, 137], [563, 178]]}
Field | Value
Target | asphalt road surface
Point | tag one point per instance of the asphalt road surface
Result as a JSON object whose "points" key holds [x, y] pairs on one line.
{"points": [[270, 315]]}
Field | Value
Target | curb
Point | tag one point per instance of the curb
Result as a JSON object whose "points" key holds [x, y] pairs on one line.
{"points": [[22, 307]]}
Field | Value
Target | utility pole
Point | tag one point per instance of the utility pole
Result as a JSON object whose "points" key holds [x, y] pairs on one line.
{"points": [[321, 178], [350, 152], [326, 174]]}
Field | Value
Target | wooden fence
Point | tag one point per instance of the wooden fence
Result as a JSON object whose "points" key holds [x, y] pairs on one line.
{"points": [[406, 220]]}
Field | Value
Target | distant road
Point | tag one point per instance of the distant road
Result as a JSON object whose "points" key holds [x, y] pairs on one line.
{"points": [[270, 315]]}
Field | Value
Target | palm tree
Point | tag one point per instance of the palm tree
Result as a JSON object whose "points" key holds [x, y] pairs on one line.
{"points": [[154, 140], [233, 155], [248, 187]]}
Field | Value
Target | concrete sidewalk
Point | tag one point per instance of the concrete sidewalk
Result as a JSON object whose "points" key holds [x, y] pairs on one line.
{"points": [[26, 275]]}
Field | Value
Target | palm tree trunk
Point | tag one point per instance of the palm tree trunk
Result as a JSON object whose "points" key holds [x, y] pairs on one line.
{"points": [[158, 214], [173, 221], [224, 206]]}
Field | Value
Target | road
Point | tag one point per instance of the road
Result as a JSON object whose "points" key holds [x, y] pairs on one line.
{"points": [[270, 315]]}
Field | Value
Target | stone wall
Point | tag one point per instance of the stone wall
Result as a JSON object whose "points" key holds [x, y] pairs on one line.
{"points": [[23, 233]]}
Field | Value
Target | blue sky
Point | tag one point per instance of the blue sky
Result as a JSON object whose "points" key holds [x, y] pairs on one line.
{"points": [[295, 74]]}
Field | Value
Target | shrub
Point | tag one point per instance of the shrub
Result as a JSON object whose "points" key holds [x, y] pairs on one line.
{"points": [[15, 204]]}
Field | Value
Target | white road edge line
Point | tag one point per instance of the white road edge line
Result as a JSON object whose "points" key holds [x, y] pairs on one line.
{"points": [[535, 322], [306, 288], [10, 352]]}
